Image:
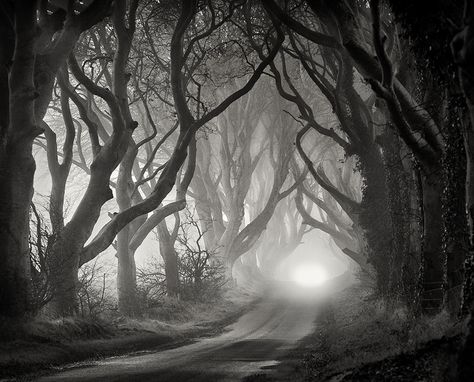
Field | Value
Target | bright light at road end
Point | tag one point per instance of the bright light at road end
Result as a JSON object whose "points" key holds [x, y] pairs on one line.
{"points": [[308, 275]]}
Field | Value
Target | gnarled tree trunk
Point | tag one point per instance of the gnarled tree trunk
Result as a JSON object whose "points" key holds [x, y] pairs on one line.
{"points": [[170, 259], [126, 275], [463, 50], [375, 216], [17, 167], [433, 264]]}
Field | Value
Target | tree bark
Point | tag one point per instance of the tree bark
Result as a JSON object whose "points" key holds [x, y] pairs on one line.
{"points": [[456, 227], [17, 168], [66, 251], [404, 264], [463, 51], [462, 48], [126, 269], [16, 177], [59, 171], [170, 259], [126, 275], [64, 257], [433, 263], [375, 217], [63, 279]]}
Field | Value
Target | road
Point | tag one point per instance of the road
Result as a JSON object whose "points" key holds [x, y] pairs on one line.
{"points": [[255, 341]]}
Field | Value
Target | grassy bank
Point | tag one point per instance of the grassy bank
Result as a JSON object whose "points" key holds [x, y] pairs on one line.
{"points": [[359, 339], [356, 338], [44, 344]]}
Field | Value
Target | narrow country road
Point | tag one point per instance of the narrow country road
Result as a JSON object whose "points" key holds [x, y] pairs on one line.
{"points": [[256, 340]]}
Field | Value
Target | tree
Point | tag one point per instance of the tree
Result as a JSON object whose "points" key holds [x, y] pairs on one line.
{"points": [[251, 137], [332, 219], [332, 75], [462, 48], [35, 59], [421, 131], [168, 252], [200, 277], [64, 259], [69, 249]]}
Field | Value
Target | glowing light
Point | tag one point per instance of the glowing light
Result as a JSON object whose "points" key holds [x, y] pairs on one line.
{"points": [[309, 275]]}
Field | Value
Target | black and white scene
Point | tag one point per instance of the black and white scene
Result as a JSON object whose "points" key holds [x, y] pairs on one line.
{"points": [[237, 190]]}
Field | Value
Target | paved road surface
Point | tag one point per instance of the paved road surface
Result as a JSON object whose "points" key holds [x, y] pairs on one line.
{"points": [[256, 340]]}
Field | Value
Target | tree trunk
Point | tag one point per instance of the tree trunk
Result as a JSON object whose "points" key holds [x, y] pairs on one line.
{"points": [[404, 263], [433, 261], [17, 169], [246, 270], [65, 251], [456, 238], [412, 262], [468, 288], [171, 270], [17, 165], [228, 269], [126, 275], [170, 259], [226, 242], [126, 269], [63, 266], [56, 203], [59, 172], [375, 217], [463, 51], [205, 217], [464, 364]]}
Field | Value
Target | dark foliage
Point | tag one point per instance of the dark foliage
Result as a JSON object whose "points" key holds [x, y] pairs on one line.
{"points": [[430, 26]]}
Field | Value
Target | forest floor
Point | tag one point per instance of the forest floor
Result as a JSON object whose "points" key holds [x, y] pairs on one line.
{"points": [[47, 345], [357, 339]]}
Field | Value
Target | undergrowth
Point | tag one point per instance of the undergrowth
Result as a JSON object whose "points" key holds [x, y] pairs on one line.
{"points": [[356, 329]]}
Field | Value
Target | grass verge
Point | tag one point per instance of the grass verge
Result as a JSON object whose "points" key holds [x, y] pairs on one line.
{"points": [[46, 345], [356, 338]]}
